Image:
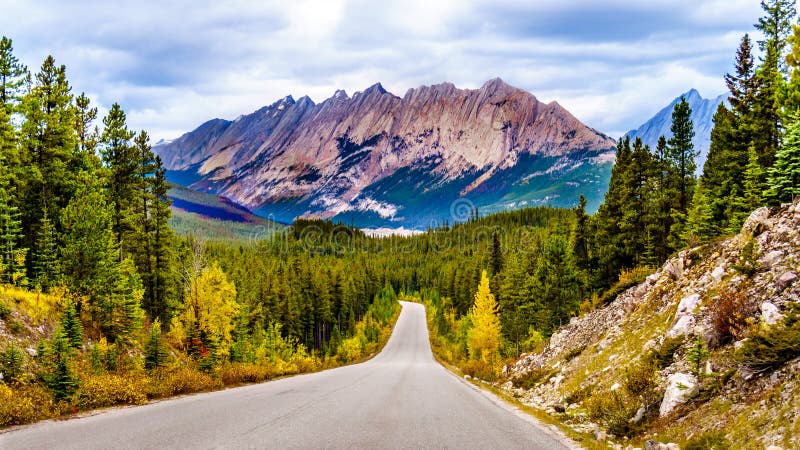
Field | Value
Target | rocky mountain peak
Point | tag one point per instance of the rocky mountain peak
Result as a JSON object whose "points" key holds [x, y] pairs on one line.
{"points": [[373, 153]]}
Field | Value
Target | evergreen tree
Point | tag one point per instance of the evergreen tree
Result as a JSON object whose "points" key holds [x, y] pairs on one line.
{"points": [[11, 270], [62, 380], [12, 75], [155, 352], [776, 23], [47, 143], [681, 154], [163, 294], [580, 245], [497, 254], [71, 327], [700, 226], [45, 257], [85, 115], [91, 265], [784, 177], [120, 158]]}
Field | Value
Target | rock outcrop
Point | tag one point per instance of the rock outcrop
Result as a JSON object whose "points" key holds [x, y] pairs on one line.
{"points": [[668, 327]]}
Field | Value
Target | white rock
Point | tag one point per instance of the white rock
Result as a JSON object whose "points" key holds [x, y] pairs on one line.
{"points": [[773, 447], [688, 304], [672, 446], [681, 387], [718, 273], [615, 386], [639, 415], [758, 222], [682, 327], [770, 313], [771, 258]]}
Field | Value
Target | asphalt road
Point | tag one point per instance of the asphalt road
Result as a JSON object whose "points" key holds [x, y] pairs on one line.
{"points": [[402, 398]]}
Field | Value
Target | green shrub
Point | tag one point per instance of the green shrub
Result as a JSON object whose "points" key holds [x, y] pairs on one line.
{"points": [[99, 391], [579, 395], [714, 440], [664, 355], [614, 411], [15, 326], [574, 353], [530, 379], [768, 348], [628, 278], [748, 259], [5, 311], [640, 382], [12, 360]]}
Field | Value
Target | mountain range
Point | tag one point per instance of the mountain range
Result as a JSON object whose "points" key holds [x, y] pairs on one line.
{"points": [[703, 110], [377, 159]]}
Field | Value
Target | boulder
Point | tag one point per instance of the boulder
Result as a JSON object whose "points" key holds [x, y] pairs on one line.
{"points": [[718, 273], [681, 387], [757, 223], [674, 268], [770, 259], [770, 313], [786, 280], [688, 304], [682, 327]]}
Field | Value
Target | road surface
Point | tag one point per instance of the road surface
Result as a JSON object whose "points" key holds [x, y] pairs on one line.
{"points": [[402, 398]]}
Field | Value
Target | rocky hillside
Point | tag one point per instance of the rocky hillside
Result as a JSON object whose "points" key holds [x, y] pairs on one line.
{"points": [[705, 350], [703, 110], [379, 159]]}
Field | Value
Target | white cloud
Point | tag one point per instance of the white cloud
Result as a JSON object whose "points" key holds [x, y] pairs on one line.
{"points": [[173, 65]]}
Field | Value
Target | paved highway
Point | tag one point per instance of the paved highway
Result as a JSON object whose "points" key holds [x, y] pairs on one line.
{"points": [[402, 398]]}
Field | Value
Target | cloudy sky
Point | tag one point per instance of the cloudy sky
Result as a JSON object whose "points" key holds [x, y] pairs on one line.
{"points": [[613, 63]]}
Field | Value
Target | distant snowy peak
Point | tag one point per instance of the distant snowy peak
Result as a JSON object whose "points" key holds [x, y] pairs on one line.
{"points": [[703, 110]]}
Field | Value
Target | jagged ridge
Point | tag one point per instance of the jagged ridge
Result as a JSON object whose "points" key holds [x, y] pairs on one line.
{"points": [[337, 157]]}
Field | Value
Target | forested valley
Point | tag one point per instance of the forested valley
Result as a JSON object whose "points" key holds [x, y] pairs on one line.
{"points": [[103, 304]]}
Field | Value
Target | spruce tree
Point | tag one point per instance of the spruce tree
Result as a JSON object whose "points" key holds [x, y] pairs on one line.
{"points": [[784, 177], [681, 154], [71, 326], [45, 257], [12, 75], [700, 226], [776, 24], [10, 230], [62, 380], [580, 235], [119, 157], [155, 351], [47, 144]]}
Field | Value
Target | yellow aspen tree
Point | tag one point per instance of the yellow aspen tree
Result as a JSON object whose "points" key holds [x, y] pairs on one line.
{"points": [[483, 340], [209, 306]]}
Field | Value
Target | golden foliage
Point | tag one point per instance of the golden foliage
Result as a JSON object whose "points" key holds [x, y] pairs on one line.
{"points": [[484, 337]]}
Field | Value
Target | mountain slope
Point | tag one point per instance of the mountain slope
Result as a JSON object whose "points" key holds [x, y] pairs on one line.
{"points": [[668, 359], [703, 110], [378, 159], [213, 217]]}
